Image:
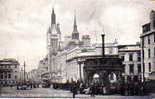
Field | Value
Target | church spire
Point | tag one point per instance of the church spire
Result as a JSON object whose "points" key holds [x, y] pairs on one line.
{"points": [[75, 25], [75, 33], [53, 18]]}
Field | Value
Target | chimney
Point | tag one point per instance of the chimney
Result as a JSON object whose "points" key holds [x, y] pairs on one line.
{"points": [[103, 51]]}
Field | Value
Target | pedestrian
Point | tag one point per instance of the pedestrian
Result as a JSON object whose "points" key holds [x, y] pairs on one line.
{"points": [[81, 87], [92, 90], [31, 85], [74, 90]]}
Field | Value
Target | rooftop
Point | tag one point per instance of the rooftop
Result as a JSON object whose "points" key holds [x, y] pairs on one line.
{"points": [[8, 61]]}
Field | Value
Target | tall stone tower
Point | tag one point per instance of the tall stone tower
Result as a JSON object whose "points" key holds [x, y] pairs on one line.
{"points": [[53, 42], [75, 33]]}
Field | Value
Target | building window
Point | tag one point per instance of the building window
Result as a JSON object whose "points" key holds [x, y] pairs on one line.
{"points": [[110, 51], [5, 76], [154, 51], [9, 76], [122, 57], [143, 54], [131, 68], [139, 58], [130, 57], [154, 37], [139, 68], [148, 39], [15, 66], [144, 68], [1, 76], [2, 66], [15, 76], [149, 67], [149, 53]]}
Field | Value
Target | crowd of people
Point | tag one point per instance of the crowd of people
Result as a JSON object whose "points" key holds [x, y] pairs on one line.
{"points": [[91, 89], [125, 88]]}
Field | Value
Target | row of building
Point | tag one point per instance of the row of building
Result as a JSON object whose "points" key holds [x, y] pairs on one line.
{"points": [[65, 60]]}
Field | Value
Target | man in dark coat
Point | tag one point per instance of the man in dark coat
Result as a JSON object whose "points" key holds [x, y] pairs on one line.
{"points": [[92, 90], [74, 89]]}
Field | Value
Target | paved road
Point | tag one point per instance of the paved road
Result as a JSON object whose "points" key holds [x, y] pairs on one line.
{"points": [[35, 92], [50, 92]]}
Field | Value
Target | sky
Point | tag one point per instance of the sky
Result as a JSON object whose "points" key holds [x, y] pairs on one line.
{"points": [[24, 23]]}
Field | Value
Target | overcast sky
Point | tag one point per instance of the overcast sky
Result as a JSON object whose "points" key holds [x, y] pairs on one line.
{"points": [[24, 23]]}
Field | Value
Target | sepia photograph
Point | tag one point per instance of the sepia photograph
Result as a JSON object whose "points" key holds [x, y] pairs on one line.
{"points": [[77, 49]]}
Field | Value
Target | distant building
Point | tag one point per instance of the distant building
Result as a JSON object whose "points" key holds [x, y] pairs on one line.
{"points": [[43, 65], [110, 48], [9, 71], [148, 45], [86, 40], [131, 57], [23, 76], [33, 76], [53, 42]]}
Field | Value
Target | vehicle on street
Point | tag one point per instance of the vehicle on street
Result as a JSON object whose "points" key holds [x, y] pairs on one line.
{"points": [[23, 86]]}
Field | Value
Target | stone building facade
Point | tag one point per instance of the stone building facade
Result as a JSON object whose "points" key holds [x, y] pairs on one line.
{"points": [[148, 45], [131, 57], [53, 42], [33, 76], [9, 72]]}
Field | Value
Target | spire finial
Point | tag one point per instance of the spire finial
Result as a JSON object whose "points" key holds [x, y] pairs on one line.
{"points": [[75, 25], [53, 18], [75, 18], [52, 10], [75, 33]]}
